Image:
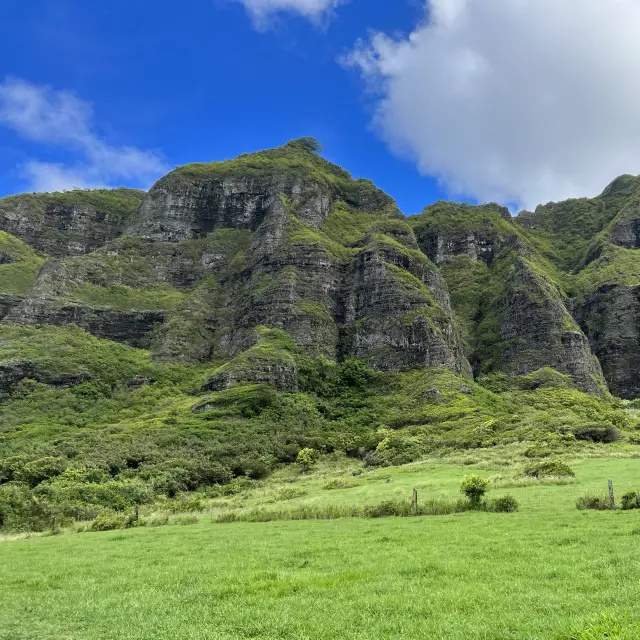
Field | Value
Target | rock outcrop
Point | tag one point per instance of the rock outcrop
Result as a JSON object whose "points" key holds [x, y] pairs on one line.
{"points": [[69, 223], [215, 255], [507, 295]]}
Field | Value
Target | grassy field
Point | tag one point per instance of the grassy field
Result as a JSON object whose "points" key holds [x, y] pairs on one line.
{"points": [[548, 571]]}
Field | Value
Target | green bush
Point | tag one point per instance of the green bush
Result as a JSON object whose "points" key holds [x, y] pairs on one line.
{"points": [[20, 510], [631, 500], [186, 520], [505, 504], [66, 496], [186, 503], [387, 509], [306, 459], [474, 487], [109, 520], [158, 520], [595, 433], [396, 450], [552, 468], [590, 501], [538, 451], [33, 473]]}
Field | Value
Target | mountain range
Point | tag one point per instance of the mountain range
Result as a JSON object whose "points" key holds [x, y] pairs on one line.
{"points": [[241, 310]]}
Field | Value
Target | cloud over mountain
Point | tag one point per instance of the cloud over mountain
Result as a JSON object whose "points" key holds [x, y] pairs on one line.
{"points": [[517, 101]]}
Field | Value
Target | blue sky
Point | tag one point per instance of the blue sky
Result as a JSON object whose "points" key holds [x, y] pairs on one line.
{"points": [[518, 102], [195, 81]]}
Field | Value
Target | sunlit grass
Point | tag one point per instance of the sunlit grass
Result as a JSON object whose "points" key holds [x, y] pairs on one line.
{"points": [[536, 574]]}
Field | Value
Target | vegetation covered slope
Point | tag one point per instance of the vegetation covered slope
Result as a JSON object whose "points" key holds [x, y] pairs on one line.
{"points": [[252, 308], [597, 242]]}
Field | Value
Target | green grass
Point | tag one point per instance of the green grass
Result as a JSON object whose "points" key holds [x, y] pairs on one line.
{"points": [[124, 298], [548, 571], [17, 276]]}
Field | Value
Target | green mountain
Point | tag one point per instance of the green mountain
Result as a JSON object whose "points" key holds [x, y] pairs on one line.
{"points": [[160, 343]]}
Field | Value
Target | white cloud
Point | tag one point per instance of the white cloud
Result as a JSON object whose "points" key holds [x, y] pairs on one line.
{"points": [[519, 101], [59, 118], [261, 10]]}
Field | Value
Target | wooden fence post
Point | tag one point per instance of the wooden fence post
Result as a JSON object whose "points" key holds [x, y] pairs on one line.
{"points": [[414, 502], [612, 498]]}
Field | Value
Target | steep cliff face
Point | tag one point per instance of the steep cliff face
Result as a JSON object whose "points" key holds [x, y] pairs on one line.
{"points": [[598, 240], [279, 239], [626, 228], [242, 193], [215, 255], [509, 299], [610, 314], [69, 223]]}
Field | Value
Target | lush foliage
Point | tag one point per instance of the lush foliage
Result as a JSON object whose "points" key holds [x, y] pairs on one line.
{"points": [[88, 424], [474, 487]]}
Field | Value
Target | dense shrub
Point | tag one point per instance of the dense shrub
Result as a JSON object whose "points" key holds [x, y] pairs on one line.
{"points": [[355, 374], [20, 510], [114, 495], [538, 451], [474, 488], [386, 509], [158, 519], [631, 500], [109, 520], [33, 473], [306, 458], [505, 504], [549, 469], [590, 501], [186, 520], [186, 503], [595, 433], [396, 450]]}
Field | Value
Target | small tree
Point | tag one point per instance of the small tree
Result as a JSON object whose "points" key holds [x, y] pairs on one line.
{"points": [[311, 143], [474, 488], [306, 459]]}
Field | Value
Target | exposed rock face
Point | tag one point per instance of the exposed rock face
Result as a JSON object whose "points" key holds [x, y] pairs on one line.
{"points": [[8, 302], [186, 207], [47, 304], [282, 241], [12, 372], [476, 232], [598, 240], [70, 223], [396, 313], [283, 377], [626, 231], [536, 331], [611, 316], [517, 317]]}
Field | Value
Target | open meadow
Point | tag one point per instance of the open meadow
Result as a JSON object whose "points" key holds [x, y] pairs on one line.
{"points": [[547, 571]]}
